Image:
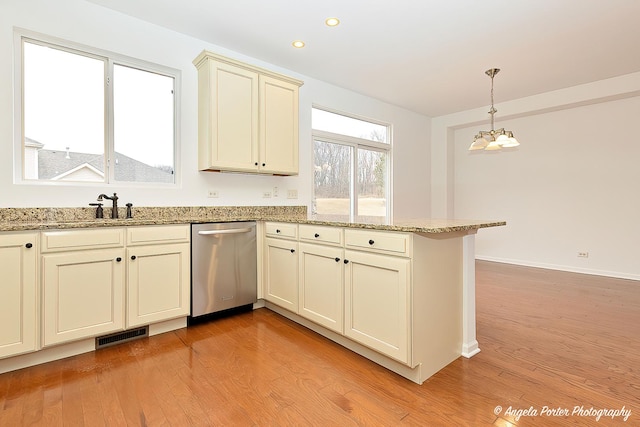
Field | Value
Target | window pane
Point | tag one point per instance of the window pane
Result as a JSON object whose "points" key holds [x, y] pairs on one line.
{"points": [[372, 185], [143, 125], [343, 125], [332, 179], [63, 115]]}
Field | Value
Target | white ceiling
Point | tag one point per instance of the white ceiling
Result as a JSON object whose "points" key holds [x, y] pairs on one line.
{"points": [[428, 56]]}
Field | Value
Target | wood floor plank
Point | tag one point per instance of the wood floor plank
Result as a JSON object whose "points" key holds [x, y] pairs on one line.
{"points": [[547, 338]]}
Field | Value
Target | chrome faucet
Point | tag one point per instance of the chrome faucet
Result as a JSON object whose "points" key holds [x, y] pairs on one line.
{"points": [[114, 199]]}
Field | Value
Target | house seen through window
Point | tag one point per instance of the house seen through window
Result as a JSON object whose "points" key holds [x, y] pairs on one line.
{"points": [[91, 117], [351, 167]]}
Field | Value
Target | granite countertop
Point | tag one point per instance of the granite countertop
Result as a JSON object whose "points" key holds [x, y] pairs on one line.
{"points": [[23, 219], [417, 225]]}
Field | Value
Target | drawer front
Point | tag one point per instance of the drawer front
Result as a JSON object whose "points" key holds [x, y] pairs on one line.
{"points": [[150, 235], [378, 241], [321, 234], [283, 230], [71, 240]]}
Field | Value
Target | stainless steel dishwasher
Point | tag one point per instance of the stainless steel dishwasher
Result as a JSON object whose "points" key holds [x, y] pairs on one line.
{"points": [[223, 266]]}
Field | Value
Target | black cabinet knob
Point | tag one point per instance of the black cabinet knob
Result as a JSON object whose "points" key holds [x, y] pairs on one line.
{"points": [[256, 163], [263, 164], [277, 231], [337, 259], [316, 235], [118, 259], [28, 245], [346, 261], [133, 257], [293, 250], [371, 242]]}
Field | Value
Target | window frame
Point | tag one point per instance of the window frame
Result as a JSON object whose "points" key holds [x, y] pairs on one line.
{"points": [[110, 59], [357, 143]]}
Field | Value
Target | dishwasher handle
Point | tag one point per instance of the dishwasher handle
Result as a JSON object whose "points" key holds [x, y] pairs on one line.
{"points": [[227, 231]]}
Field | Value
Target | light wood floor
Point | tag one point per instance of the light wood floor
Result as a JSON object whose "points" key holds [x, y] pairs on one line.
{"points": [[548, 338]]}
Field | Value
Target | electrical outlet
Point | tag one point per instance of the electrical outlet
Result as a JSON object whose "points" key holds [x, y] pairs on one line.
{"points": [[292, 194], [275, 191], [583, 254], [212, 194], [266, 195]]}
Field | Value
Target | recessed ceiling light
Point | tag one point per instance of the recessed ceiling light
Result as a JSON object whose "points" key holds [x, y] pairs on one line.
{"points": [[298, 44], [332, 22]]}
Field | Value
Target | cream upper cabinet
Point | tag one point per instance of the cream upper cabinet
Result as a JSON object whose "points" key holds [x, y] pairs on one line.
{"points": [[377, 304], [158, 274], [18, 263], [278, 126], [247, 117]]}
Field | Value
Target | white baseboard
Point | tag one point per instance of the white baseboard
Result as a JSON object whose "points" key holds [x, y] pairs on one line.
{"points": [[567, 268], [74, 348]]}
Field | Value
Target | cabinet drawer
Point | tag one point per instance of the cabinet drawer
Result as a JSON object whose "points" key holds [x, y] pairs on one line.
{"points": [[71, 240], [149, 235], [378, 241], [283, 230], [321, 234]]}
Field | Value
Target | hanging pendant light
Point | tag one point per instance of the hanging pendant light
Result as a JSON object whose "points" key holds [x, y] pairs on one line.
{"points": [[493, 139]]}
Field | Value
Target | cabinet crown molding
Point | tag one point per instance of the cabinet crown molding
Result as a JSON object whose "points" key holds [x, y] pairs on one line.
{"points": [[208, 55]]}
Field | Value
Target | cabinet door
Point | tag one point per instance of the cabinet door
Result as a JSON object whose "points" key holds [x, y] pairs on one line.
{"points": [[83, 294], [228, 118], [18, 255], [158, 283], [377, 302], [278, 126], [321, 285], [281, 273]]}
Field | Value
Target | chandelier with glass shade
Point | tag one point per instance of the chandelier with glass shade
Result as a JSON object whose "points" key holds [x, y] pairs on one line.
{"points": [[491, 140]]}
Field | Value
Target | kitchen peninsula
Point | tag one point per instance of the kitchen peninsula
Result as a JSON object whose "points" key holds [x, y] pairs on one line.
{"points": [[400, 294]]}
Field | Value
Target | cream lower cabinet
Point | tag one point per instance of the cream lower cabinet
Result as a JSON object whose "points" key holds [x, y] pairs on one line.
{"points": [[103, 280], [377, 305], [18, 297], [158, 274], [83, 294], [321, 285], [393, 297], [281, 272]]}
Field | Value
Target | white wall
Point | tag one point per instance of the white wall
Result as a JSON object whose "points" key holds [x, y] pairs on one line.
{"points": [[82, 22], [572, 185]]}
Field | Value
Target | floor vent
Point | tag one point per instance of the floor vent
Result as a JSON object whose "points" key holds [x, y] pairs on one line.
{"points": [[113, 339]]}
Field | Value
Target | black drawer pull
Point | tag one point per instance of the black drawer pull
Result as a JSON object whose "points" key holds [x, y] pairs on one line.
{"points": [[263, 164], [316, 235], [371, 242], [293, 250], [28, 245], [346, 261], [337, 259], [278, 231], [118, 259], [133, 257]]}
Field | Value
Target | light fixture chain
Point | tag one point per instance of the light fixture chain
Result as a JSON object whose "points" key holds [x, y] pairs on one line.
{"points": [[493, 110]]}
